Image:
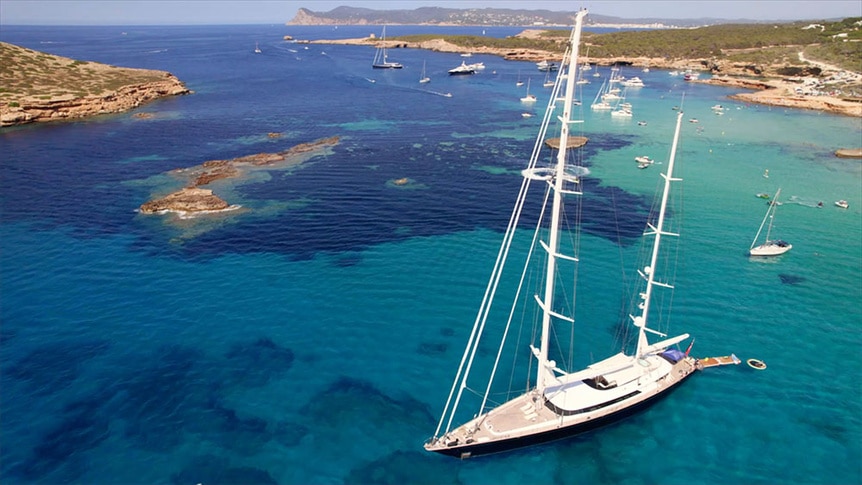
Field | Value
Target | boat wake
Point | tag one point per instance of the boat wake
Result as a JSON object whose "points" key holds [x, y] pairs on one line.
{"points": [[445, 95], [805, 202]]}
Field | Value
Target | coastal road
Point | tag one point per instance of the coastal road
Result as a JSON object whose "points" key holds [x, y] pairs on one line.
{"points": [[855, 76]]}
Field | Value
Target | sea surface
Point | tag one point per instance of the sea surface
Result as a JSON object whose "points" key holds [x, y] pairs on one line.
{"points": [[311, 336]]}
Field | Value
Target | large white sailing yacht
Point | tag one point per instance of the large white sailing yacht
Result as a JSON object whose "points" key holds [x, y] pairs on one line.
{"points": [[557, 399]]}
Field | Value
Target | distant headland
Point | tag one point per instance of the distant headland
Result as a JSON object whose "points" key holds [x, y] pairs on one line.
{"points": [[491, 17], [40, 87]]}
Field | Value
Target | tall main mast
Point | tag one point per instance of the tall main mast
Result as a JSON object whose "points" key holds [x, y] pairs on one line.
{"points": [[648, 272], [544, 370]]}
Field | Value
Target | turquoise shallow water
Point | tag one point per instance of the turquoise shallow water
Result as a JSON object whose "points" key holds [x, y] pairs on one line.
{"points": [[312, 338]]}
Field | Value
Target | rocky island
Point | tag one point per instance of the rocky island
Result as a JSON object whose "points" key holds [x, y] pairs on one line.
{"points": [[39, 87], [192, 199]]}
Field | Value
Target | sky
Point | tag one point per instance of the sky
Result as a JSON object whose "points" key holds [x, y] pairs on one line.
{"points": [[215, 12]]}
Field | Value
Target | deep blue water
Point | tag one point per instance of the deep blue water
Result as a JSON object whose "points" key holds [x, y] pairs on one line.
{"points": [[312, 336]]}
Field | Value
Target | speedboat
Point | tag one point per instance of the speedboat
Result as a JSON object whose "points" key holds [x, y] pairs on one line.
{"points": [[842, 204]]}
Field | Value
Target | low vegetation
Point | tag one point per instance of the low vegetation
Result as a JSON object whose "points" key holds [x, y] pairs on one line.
{"points": [[29, 73], [838, 43], [473, 41]]}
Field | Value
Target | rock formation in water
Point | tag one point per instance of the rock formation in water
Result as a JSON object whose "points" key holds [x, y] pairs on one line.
{"points": [[188, 199], [192, 198]]}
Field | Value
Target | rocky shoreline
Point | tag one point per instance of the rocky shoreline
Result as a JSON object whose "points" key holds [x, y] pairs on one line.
{"points": [[40, 87], [69, 107], [771, 91], [783, 94]]}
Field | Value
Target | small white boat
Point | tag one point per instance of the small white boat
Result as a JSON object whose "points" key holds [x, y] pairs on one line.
{"points": [[842, 204], [257, 48], [633, 82], [622, 112], [644, 159], [546, 66]]}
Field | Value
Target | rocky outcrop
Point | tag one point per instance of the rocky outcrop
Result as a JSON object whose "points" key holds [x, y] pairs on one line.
{"points": [[69, 107], [188, 199], [193, 199]]}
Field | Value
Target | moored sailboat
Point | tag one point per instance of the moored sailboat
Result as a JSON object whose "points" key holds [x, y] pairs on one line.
{"points": [[770, 247], [528, 98], [423, 78], [559, 400], [381, 58]]}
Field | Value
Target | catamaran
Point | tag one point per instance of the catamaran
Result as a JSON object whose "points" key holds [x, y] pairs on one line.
{"points": [[558, 398]]}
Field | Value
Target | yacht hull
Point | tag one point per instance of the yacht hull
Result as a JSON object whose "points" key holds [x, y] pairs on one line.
{"points": [[470, 450]]}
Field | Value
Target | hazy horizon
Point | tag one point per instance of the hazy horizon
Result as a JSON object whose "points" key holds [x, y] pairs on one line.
{"points": [[216, 12]]}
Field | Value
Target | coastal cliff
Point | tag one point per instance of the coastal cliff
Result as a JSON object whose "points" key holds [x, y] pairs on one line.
{"points": [[40, 87]]}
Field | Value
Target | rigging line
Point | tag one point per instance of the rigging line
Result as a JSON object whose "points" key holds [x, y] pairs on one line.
{"points": [[481, 317], [515, 299], [622, 331]]}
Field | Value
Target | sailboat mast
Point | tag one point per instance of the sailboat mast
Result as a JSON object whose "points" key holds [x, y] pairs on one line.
{"points": [[543, 370], [769, 215], [649, 272]]}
